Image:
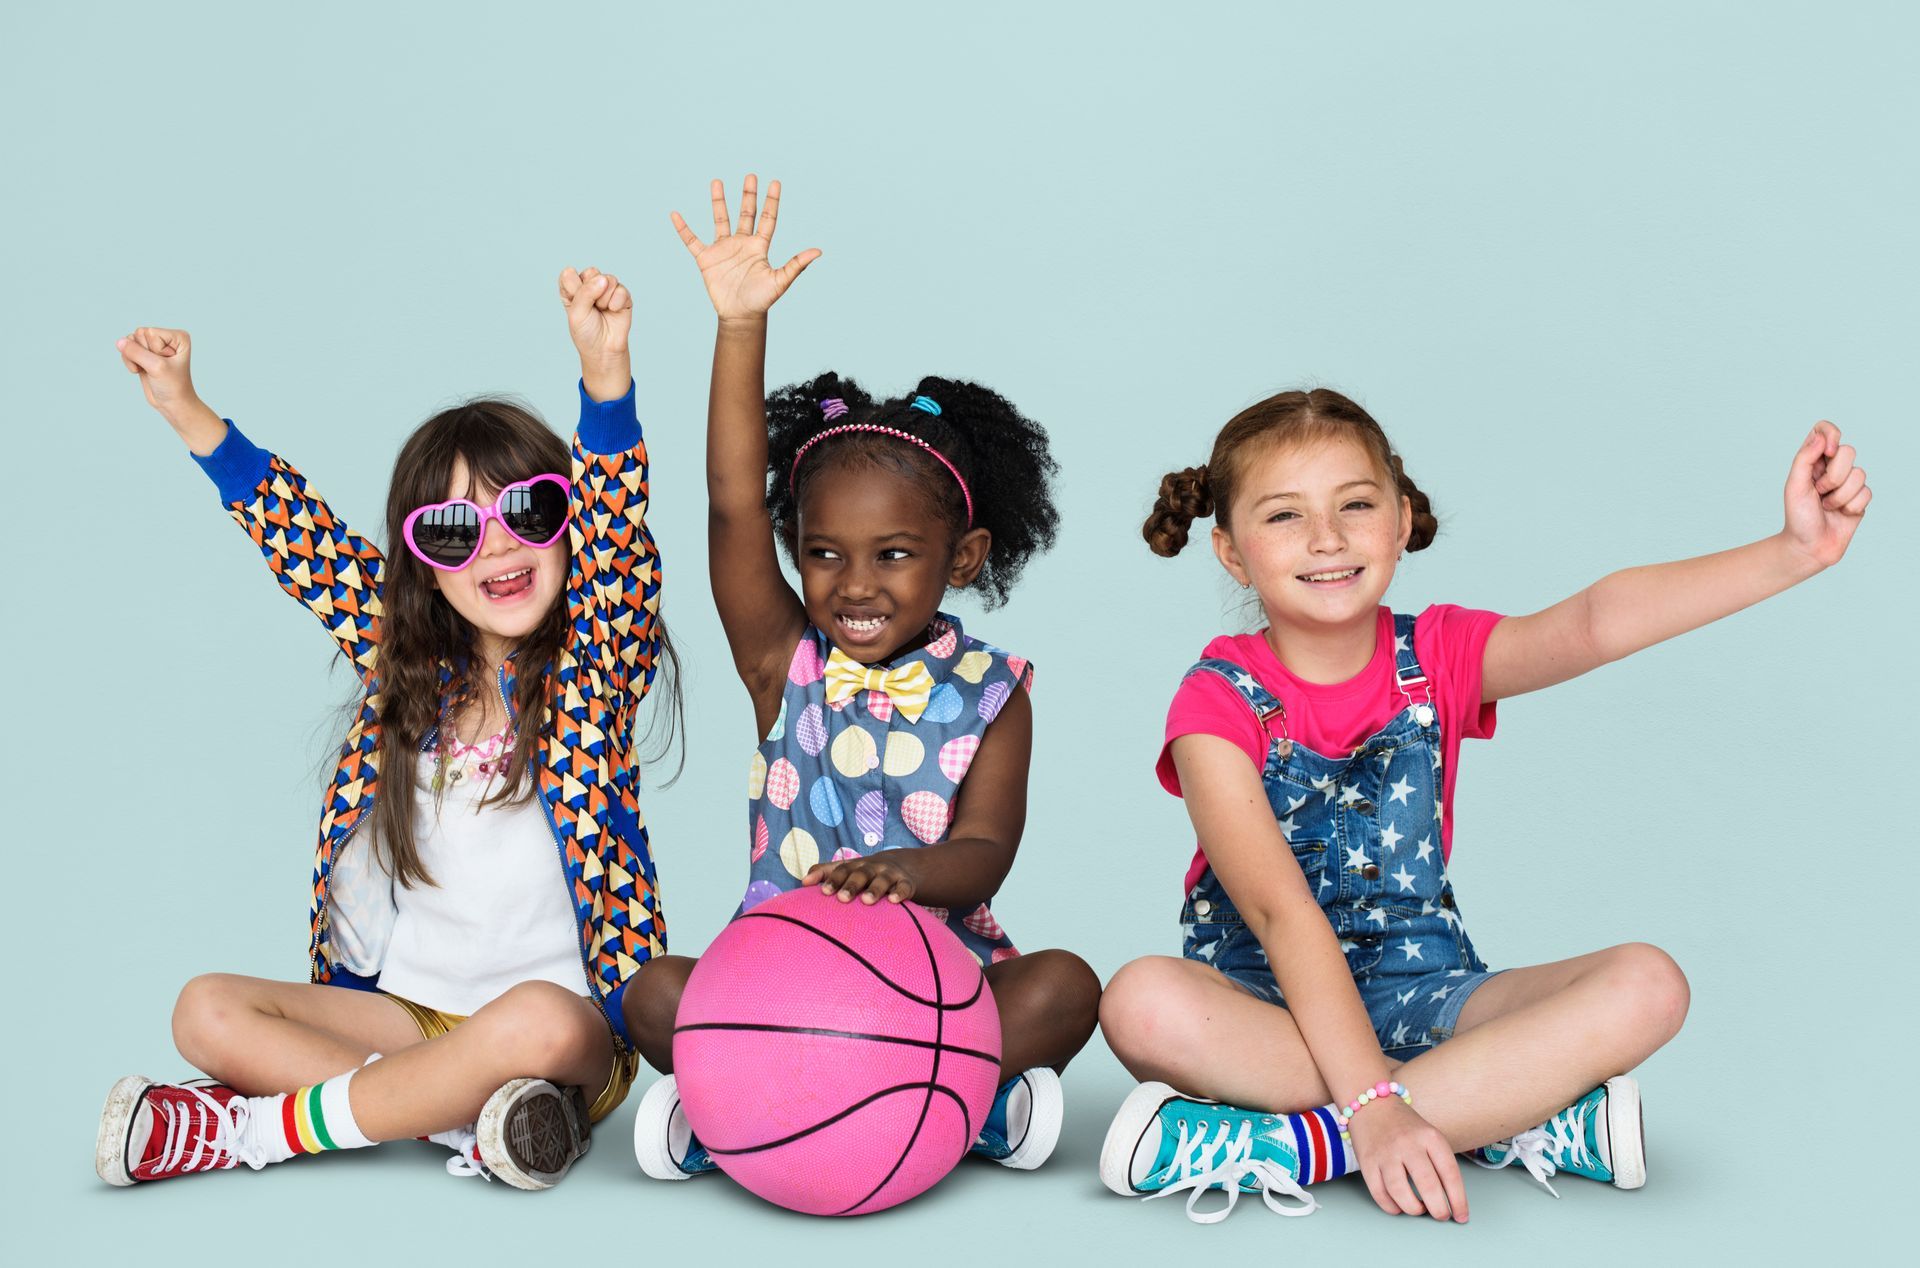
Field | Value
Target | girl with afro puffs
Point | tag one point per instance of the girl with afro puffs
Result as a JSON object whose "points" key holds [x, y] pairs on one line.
{"points": [[894, 750]]}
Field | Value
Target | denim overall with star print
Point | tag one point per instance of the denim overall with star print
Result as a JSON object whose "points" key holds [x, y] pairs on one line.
{"points": [[1365, 830]]}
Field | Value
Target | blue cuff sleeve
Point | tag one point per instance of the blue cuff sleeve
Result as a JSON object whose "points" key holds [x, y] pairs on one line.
{"points": [[608, 426], [616, 1012], [237, 467]]}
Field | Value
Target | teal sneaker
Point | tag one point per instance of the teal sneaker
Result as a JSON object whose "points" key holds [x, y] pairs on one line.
{"points": [[1024, 1124], [662, 1141], [1599, 1136], [1162, 1142]]}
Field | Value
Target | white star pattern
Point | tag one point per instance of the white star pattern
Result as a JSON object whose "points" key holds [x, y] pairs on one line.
{"points": [[1324, 882], [1349, 794], [1245, 681], [1441, 994], [1405, 878], [1356, 859], [1399, 1033], [1400, 791], [1456, 972], [1451, 916], [1408, 948], [1294, 803], [1399, 643], [1407, 994], [1390, 837], [1347, 945], [1286, 827], [1425, 850], [1323, 784], [1378, 916]]}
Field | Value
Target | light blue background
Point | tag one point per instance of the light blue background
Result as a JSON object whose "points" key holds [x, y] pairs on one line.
{"points": [[1597, 269]]}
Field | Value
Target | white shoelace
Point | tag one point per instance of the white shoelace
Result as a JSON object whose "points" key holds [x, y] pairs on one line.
{"points": [[466, 1158], [1199, 1165], [221, 1139], [1569, 1139], [1529, 1148]]}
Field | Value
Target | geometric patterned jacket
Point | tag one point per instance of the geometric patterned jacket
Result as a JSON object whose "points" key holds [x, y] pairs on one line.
{"points": [[586, 767]]}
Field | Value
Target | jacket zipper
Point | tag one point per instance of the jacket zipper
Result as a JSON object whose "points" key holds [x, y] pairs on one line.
{"points": [[560, 851]]}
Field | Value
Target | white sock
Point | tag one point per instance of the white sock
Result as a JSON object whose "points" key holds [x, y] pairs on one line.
{"points": [[265, 1133]]}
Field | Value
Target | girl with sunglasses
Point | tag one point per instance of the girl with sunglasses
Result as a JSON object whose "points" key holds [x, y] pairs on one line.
{"points": [[483, 889]]}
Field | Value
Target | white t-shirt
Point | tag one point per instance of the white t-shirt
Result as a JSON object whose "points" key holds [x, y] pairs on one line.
{"points": [[498, 913]]}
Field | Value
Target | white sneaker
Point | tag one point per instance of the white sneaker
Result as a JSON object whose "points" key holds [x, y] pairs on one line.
{"points": [[1024, 1124], [530, 1132], [662, 1141]]}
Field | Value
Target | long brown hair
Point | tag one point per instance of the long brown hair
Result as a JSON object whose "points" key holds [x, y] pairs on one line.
{"points": [[502, 442], [1285, 418]]}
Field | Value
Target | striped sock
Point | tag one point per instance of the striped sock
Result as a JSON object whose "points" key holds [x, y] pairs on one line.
{"points": [[1323, 1155], [321, 1117], [309, 1121]]}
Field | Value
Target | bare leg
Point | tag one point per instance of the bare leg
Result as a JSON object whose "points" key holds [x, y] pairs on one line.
{"points": [[1534, 1039], [535, 1030], [264, 1037], [1529, 1042], [1049, 1002], [651, 1003], [1185, 1023]]}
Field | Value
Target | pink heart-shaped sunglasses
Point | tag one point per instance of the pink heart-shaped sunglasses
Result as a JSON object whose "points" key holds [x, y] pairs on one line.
{"points": [[447, 535]]}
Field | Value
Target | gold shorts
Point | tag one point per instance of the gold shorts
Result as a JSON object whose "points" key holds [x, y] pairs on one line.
{"points": [[626, 1065]]}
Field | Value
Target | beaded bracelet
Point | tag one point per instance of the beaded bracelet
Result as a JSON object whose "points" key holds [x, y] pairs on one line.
{"points": [[1377, 1092]]}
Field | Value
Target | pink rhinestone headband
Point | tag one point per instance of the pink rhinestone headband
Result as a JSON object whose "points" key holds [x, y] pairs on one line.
{"points": [[966, 494]]}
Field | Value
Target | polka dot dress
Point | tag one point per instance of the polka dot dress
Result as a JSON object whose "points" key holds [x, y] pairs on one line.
{"points": [[841, 781]]}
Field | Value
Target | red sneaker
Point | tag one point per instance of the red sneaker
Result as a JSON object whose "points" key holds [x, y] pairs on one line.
{"points": [[155, 1131]]}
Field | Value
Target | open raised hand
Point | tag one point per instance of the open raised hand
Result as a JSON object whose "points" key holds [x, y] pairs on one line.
{"points": [[740, 280]]}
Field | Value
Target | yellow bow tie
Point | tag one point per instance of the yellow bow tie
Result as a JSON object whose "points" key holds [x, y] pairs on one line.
{"points": [[908, 686]]}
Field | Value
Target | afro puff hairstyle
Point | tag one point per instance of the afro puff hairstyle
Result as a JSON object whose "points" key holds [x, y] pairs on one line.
{"points": [[1001, 453]]}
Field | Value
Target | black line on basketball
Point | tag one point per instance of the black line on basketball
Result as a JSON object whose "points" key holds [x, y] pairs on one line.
{"points": [[834, 1034], [933, 1075], [831, 1119], [870, 966]]}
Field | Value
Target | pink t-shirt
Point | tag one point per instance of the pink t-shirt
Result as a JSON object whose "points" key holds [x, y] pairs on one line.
{"points": [[1336, 718]]}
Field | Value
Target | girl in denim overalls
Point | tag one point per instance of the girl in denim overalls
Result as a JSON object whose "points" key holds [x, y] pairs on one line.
{"points": [[1326, 974]]}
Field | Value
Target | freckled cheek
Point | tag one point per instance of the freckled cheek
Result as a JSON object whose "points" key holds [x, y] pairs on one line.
{"points": [[1265, 557]]}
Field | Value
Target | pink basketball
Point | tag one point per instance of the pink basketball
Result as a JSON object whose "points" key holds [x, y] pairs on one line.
{"points": [[836, 1058]]}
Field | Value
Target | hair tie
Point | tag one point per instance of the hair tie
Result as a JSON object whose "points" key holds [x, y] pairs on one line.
{"points": [[966, 494], [926, 403], [833, 407]]}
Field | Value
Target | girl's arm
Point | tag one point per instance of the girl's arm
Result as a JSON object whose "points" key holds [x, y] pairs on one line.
{"points": [[989, 814], [1621, 614], [1244, 846], [759, 611], [334, 573], [613, 577]]}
